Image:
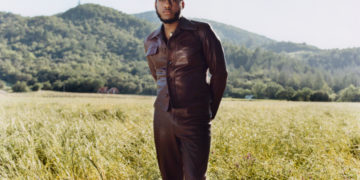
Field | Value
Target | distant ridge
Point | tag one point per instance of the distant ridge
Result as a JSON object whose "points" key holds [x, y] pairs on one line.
{"points": [[148, 16], [227, 33]]}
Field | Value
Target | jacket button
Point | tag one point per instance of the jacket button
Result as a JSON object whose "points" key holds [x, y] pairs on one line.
{"points": [[166, 95], [170, 62]]}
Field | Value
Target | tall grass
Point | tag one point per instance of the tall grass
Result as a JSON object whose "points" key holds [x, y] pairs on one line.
{"points": [[106, 138]]}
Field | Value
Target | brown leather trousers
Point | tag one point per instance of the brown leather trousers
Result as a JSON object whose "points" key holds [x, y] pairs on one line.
{"points": [[182, 140]]}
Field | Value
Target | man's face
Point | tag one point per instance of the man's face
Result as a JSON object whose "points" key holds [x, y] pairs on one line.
{"points": [[169, 11]]}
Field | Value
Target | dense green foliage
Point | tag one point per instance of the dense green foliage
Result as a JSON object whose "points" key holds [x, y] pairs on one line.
{"points": [[320, 96], [303, 94], [351, 94], [84, 48], [20, 86], [277, 76], [334, 59], [37, 87], [92, 46]]}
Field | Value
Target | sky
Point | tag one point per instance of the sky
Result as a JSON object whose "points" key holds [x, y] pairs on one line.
{"points": [[326, 24]]}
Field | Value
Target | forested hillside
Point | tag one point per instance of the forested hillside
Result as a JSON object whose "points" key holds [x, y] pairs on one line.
{"points": [[91, 46], [86, 47]]}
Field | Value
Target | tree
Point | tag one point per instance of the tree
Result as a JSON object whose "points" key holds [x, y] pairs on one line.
{"points": [[319, 81], [282, 79], [20, 86], [240, 93], [286, 93], [307, 81], [46, 85], [37, 87], [303, 94], [294, 83], [259, 90], [320, 96], [129, 88], [350, 93], [271, 89], [58, 85], [97, 83]]}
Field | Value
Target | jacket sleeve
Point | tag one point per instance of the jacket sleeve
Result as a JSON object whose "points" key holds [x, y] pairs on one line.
{"points": [[214, 54], [150, 63]]}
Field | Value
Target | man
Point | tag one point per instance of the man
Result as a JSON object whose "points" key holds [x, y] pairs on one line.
{"points": [[179, 54]]}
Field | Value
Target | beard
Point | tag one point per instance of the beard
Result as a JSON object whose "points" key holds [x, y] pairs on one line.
{"points": [[169, 21]]}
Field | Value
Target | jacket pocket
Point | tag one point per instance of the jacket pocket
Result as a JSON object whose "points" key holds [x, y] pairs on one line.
{"points": [[151, 50]]}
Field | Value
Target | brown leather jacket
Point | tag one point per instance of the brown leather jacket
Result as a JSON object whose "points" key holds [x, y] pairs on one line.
{"points": [[180, 66]]}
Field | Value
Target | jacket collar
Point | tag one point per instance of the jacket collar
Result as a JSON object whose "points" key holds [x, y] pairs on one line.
{"points": [[184, 23], [187, 24]]}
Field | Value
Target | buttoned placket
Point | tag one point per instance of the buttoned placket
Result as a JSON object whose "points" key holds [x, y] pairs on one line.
{"points": [[170, 76], [167, 65]]}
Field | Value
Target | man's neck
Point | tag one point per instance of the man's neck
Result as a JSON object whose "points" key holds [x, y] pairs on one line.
{"points": [[170, 28]]}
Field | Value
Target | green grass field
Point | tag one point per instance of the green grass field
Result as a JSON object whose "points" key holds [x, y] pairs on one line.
{"points": [[91, 136]]}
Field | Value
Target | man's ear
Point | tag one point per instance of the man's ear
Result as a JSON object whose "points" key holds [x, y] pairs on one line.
{"points": [[155, 4], [182, 4]]}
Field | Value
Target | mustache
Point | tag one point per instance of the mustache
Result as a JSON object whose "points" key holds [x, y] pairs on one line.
{"points": [[166, 10]]}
